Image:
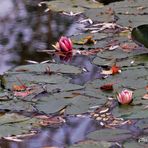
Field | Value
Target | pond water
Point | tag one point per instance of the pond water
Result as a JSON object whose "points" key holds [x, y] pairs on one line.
{"points": [[26, 30]]}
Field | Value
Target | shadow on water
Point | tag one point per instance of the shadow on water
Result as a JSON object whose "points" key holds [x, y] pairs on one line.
{"points": [[25, 29]]}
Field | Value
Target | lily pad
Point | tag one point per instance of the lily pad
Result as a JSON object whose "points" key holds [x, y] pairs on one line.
{"points": [[16, 105], [41, 68], [110, 135], [72, 5], [76, 103], [94, 144], [13, 124], [140, 34], [135, 144], [32, 78]]}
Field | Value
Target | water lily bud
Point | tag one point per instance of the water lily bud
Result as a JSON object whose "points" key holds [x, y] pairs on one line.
{"points": [[125, 97], [65, 44]]}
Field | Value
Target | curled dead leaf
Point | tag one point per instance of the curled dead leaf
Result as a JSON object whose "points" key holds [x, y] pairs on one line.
{"points": [[145, 97], [107, 87], [115, 69], [112, 71]]}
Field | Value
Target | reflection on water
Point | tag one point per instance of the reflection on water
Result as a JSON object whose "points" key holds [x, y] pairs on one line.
{"points": [[25, 29], [76, 129]]}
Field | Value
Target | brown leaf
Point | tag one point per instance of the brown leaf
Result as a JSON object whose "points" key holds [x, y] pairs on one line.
{"points": [[85, 41], [146, 88], [18, 87], [52, 121], [107, 87], [145, 97]]}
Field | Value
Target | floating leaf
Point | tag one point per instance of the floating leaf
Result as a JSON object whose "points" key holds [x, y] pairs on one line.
{"points": [[88, 40], [93, 144], [107, 87], [140, 35], [72, 6], [110, 135], [12, 124], [145, 97], [22, 94], [115, 69], [112, 71]]}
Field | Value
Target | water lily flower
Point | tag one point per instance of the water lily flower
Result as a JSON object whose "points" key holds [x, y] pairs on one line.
{"points": [[125, 97], [64, 44]]}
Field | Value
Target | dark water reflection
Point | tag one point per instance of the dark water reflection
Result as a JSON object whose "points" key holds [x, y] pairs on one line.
{"points": [[25, 29]]}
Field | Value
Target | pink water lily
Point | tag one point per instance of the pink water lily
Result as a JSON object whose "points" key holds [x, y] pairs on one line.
{"points": [[64, 44], [125, 97]]}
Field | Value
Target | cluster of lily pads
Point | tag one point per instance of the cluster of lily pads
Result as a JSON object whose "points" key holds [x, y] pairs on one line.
{"points": [[65, 46], [38, 94]]}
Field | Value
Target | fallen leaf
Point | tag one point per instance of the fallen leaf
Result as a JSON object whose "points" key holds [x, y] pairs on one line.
{"points": [[89, 40], [115, 69], [146, 88], [112, 71], [85, 41], [18, 87], [52, 121], [107, 87], [22, 94], [145, 97], [128, 47], [106, 72]]}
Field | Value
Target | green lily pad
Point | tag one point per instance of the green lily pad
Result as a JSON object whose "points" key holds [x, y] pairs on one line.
{"points": [[32, 78], [72, 5], [140, 34], [94, 144], [41, 68], [13, 124], [76, 103], [135, 144], [110, 135], [16, 105], [63, 87]]}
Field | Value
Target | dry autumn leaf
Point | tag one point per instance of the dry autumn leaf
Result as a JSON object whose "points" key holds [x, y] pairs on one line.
{"points": [[85, 41], [107, 87], [145, 97], [18, 87], [115, 69], [112, 71]]}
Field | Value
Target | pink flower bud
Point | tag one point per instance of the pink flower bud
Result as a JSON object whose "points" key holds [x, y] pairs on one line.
{"points": [[65, 44], [125, 97]]}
